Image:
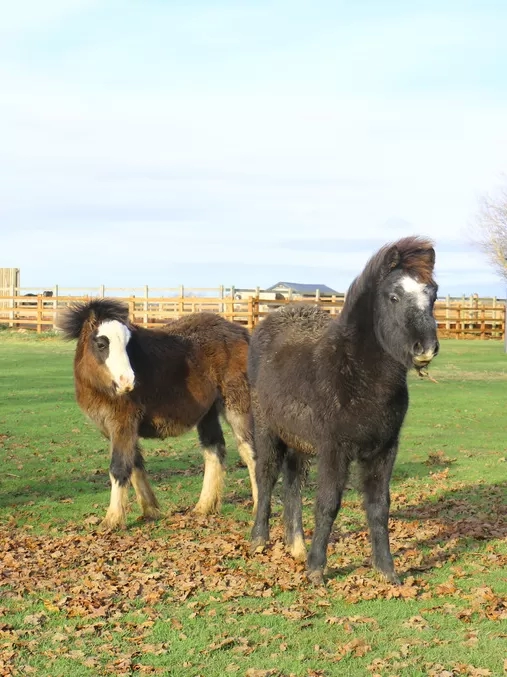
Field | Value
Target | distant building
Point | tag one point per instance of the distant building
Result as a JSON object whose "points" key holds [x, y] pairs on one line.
{"points": [[301, 290]]}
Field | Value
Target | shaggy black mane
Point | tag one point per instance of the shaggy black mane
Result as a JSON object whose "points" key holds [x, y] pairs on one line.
{"points": [[74, 317]]}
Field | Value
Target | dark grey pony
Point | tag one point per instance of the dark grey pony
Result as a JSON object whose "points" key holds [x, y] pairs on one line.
{"points": [[337, 389]]}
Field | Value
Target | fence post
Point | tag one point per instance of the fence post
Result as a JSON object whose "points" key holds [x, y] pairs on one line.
{"points": [[182, 303], [231, 307], [249, 321], [483, 322], [504, 325], [12, 304], [145, 318], [102, 291], [55, 304], [39, 313], [255, 312], [221, 295]]}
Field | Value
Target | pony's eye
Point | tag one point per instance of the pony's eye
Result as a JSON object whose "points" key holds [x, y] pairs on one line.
{"points": [[393, 298], [102, 343]]}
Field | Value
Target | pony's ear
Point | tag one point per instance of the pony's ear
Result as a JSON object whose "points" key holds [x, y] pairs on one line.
{"points": [[391, 259], [431, 257]]}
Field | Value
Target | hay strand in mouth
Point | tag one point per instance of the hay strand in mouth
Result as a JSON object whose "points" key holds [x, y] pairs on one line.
{"points": [[424, 373]]}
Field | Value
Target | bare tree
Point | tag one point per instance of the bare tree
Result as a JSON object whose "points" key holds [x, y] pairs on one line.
{"points": [[490, 228]]}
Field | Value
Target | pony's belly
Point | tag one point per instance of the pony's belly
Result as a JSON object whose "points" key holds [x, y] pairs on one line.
{"points": [[159, 428], [297, 443]]}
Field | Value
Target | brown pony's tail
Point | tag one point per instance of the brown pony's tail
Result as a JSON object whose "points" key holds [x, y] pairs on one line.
{"points": [[73, 318]]}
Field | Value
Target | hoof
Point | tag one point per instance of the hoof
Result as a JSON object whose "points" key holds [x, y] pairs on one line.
{"points": [[393, 578], [315, 577], [298, 549], [389, 576], [207, 508], [257, 546], [112, 524], [150, 515]]}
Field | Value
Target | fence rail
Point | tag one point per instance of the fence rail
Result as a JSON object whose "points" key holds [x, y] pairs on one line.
{"points": [[455, 319]]}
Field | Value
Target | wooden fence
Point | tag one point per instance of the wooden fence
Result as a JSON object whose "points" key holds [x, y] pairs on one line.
{"points": [[455, 318]]}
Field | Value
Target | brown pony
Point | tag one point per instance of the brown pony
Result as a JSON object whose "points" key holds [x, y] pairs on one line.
{"points": [[155, 383]]}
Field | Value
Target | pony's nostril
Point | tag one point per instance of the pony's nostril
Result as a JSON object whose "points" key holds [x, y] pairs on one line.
{"points": [[418, 349], [437, 348]]}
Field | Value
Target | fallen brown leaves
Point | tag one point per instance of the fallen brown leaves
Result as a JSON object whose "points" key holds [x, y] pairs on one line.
{"points": [[356, 647], [91, 579]]}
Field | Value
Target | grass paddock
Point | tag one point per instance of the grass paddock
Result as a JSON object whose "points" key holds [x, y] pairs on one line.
{"points": [[183, 597]]}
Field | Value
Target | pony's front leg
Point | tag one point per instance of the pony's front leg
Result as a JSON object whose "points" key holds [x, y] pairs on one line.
{"points": [[144, 493], [333, 466], [123, 450], [376, 475], [294, 472]]}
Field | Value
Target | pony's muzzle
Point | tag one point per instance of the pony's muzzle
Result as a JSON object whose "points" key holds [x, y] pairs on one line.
{"points": [[125, 385], [423, 354]]}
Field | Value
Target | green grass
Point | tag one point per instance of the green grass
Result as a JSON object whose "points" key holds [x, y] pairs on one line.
{"points": [[183, 597]]}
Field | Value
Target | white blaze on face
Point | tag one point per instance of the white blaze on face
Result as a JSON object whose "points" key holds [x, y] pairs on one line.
{"points": [[417, 289], [117, 361]]}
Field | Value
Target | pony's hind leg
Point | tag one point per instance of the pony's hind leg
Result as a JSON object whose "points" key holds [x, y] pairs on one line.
{"points": [[295, 469], [242, 430], [212, 442], [144, 493], [270, 451]]}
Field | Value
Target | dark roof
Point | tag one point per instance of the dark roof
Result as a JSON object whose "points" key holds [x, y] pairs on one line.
{"points": [[304, 288]]}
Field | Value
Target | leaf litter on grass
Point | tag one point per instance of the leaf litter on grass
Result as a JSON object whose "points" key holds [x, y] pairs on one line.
{"points": [[92, 578]]}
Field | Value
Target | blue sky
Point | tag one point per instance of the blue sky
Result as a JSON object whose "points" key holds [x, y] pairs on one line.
{"points": [[206, 143]]}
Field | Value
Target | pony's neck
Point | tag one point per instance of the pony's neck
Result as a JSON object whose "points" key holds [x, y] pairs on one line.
{"points": [[354, 330], [357, 320]]}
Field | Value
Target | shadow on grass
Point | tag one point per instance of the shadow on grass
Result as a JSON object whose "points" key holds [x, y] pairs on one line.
{"points": [[162, 474], [465, 518], [34, 491], [460, 521]]}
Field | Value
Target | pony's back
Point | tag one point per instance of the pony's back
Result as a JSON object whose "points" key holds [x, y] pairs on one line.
{"points": [[292, 329], [205, 327]]}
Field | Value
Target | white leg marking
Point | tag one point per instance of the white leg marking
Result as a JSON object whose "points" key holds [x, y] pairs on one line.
{"points": [[212, 485], [298, 548], [240, 428], [117, 511], [247, 455]]}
